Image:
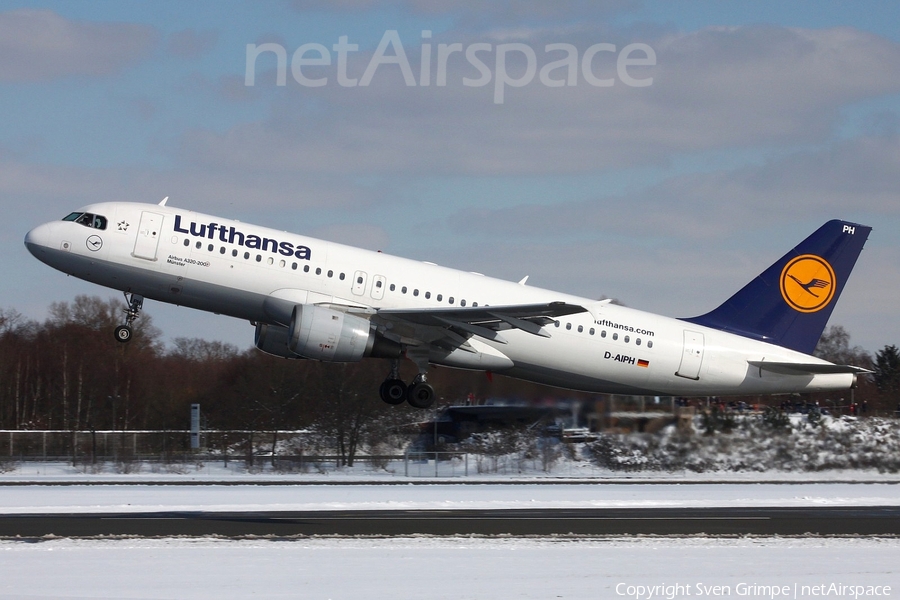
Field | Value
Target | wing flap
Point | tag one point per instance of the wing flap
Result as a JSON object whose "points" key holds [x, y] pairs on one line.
{"points": [[485, 321]]}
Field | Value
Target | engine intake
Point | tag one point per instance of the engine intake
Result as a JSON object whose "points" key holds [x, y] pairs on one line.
{"points": [[273, 339]]}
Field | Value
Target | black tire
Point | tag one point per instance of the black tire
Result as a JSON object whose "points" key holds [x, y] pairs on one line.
{"points": [[123, 333], [393, 391], [420, 395]]}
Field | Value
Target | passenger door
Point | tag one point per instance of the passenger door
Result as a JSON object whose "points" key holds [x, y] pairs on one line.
{"points": [[691, 356], [148, 235]]}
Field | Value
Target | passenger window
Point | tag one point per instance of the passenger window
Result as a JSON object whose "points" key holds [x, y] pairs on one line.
{"points": [[187, 243], [580, 329], [615, 336], [359, 280], [222, 250], [318, 270], [341, 277], [637, 341], [246, 256], [306, 268], [556, 323], [650, 344], [603, 333], [415, 292], [474, 304], [199, 245], [626, 339], [450, 299], [234, 253], [330, 273], [259, 258], [210, 248], [569, 326], [378, 283], [462, 302], [591, 331], [403, 290], [393, 287], [427, 295], [440, 297], [294, 266]]}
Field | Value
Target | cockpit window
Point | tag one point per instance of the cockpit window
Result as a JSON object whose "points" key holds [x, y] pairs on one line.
{"points": [[87, 219]]}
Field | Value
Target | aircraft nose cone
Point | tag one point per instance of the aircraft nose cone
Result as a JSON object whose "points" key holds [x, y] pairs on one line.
{"points": [[38, 238]]}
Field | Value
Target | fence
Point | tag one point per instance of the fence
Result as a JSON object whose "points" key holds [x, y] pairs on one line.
{"points": [[138, 445], [436, 464]]}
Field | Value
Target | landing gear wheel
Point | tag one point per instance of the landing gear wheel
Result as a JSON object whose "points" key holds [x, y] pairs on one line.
{"points": [[135, 303], [123, 333], [393, 391], [420, 395]]}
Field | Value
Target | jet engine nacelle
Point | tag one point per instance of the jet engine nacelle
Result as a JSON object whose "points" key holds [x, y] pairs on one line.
{"points": [[329, 335], [273, 339]]}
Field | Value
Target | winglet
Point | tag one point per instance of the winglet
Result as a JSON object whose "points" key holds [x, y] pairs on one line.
{"points": [[789, 303], [164, 200], [523, 280]]}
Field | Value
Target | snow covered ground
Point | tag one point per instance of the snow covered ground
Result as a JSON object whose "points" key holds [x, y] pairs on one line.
{"points": [[141, 498], [452, 568], [32, 489], [423, 567]]}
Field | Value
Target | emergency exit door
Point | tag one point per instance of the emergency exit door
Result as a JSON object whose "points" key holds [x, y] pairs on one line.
{"points": [[359, 283]]}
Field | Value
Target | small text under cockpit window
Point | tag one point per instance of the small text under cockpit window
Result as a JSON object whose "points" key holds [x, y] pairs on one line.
{"points": [[87, 219]]}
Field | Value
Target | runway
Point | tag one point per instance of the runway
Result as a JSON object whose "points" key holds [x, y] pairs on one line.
{"points": [[725, 521]]}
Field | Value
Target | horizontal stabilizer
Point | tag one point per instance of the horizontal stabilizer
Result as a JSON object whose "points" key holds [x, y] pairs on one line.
{"points": [[787, 368]]}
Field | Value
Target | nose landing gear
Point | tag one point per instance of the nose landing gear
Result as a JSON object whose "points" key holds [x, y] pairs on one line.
{"points": [[124, 332]]}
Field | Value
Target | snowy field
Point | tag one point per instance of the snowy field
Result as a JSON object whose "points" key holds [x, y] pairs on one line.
{"points": [[33, 489], [451, 568], [426, 567], [149, 498]]}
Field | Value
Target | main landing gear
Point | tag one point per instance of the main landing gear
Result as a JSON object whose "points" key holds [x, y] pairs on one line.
{"points": [[124, 332], [393, 391]]}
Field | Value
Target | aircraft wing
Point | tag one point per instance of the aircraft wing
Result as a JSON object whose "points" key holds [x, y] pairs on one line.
{"points": [[484, 321], [786, 368]]}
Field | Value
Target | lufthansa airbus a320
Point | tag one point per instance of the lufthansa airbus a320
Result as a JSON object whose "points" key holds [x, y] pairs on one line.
{"points": [[319, 300]]}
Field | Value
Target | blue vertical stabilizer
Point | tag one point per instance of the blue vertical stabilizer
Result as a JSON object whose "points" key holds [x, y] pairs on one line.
{"points": [[790, 302]]}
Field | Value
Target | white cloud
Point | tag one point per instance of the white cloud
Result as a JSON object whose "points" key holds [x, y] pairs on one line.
{"points": [[37, 45], [855, 176], [482, 11], [190, 43], [747, 87]]}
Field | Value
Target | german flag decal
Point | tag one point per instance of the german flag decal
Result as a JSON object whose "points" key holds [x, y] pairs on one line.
{"points": [[643, 363]]}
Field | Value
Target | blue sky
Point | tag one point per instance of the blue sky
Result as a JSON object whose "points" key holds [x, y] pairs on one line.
{"points": [[763, 120]]}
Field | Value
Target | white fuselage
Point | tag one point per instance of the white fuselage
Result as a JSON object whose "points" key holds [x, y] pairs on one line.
{"points": [[232, 268]]}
